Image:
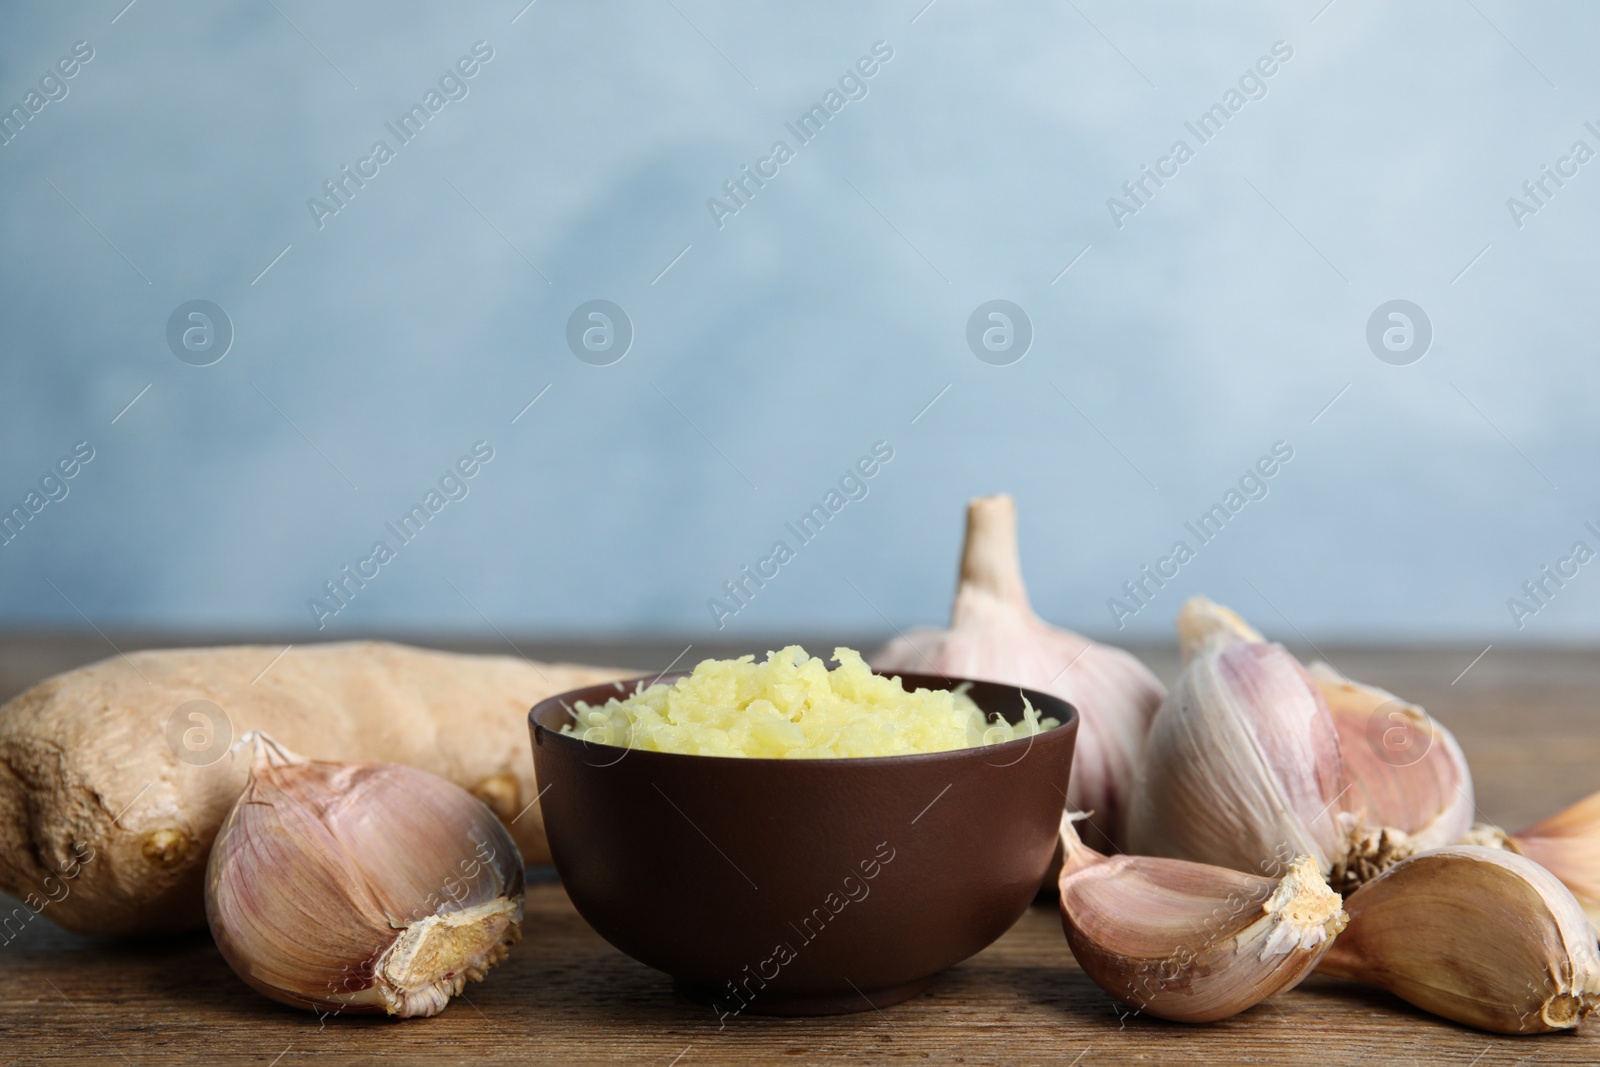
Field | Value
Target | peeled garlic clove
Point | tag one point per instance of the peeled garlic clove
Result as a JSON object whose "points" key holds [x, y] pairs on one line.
{"points": [[1478, 935], [1410, 782], [360, 887], [1242, 767], [995, 636], [1189, 941]]}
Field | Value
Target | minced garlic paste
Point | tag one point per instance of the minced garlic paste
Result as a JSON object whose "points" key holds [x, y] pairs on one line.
{"points": [[793, 707]]}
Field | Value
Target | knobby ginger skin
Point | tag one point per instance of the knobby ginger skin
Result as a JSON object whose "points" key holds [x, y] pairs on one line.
{"points": [[95, 799], [793, 707]]}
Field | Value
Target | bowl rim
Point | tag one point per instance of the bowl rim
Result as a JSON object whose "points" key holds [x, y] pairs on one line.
{"points": [[1070, 722]]}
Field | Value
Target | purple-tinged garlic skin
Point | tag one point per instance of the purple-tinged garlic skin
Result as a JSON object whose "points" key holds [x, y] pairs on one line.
{"points": [[1410, 785], [1188, 941], [995, 636], [1242, 767], [360, 887]]}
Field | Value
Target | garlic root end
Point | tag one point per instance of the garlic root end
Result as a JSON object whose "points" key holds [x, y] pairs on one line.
{"points": [[1304, 911], [436, 957]]}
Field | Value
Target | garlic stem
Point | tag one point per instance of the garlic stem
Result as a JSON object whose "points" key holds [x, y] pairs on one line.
{"points": [[990, 561], [1202, 621], [995, 636]]}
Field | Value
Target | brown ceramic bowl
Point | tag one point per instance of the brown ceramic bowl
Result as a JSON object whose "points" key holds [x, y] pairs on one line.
{"points": [[803, 887]]}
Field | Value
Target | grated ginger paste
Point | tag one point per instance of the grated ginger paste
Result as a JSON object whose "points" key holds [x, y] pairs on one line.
{"points": [[793, 707]]}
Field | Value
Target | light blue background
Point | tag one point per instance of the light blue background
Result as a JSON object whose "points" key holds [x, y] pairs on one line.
{"points": [[823, 317]]}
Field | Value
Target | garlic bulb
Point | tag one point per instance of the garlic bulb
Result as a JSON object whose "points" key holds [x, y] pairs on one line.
{"points": [[1410, 782], [361, 887], [995, 636], [1478, 935], [1566, 844], [1242, 768], [1189, 941]]}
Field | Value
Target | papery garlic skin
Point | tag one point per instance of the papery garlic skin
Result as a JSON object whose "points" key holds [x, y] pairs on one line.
{"points": [[1189, 941], [995, 636], [1566, 844], [1242, 767], [360, 887], [1478, 935], [1203, 622], [1410, 784]]}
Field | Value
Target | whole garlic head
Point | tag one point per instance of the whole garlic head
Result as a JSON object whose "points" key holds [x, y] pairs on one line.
{"points": [[995, 636], [1242, 768], [360, 887]]}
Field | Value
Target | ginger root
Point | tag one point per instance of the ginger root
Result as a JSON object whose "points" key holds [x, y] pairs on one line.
{"points": [[108, 807]]}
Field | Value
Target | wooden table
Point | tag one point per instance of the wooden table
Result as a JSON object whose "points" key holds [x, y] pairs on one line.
{"points": [[1526, 718]]}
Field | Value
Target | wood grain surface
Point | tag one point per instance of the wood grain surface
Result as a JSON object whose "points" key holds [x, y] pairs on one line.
{"points": [[1526, 719]]}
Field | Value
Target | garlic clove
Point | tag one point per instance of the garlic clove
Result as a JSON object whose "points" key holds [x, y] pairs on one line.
{"points": [[1410, 781], [1242, 766], [1189, 941], [994, 635], [1566, 844], [1478, 935], [360, 887]]}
